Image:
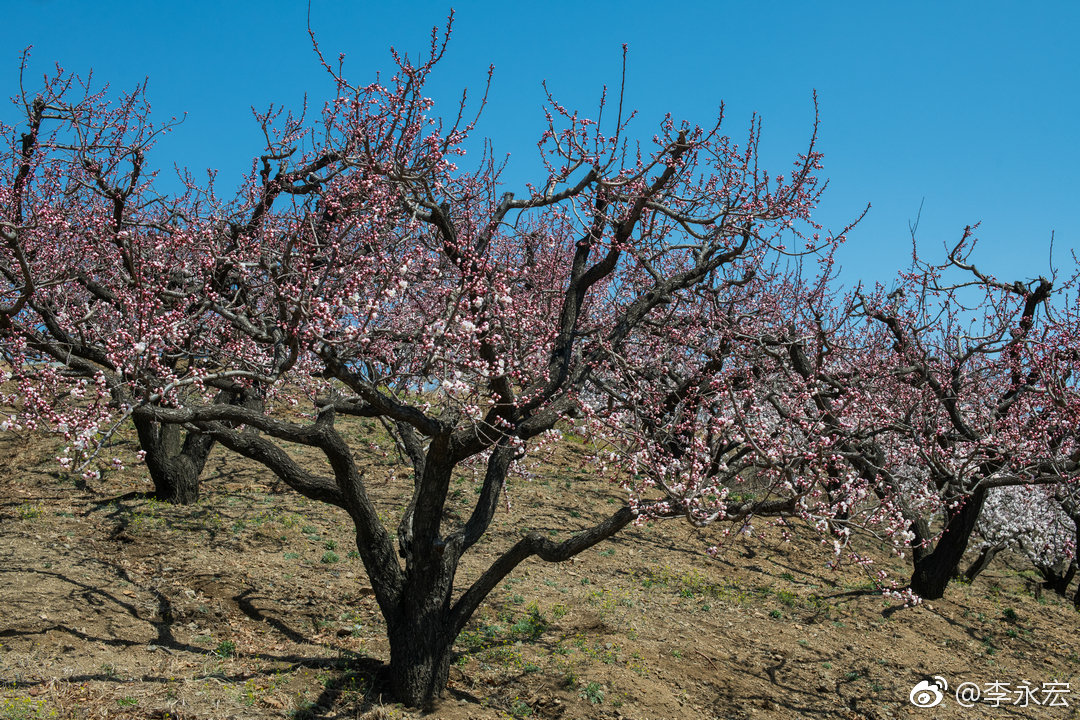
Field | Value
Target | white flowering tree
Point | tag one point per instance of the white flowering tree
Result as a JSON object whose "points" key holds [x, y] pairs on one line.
{"points": [[1040, 522]]}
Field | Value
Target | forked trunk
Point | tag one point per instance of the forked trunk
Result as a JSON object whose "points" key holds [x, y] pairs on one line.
{"points": [[420, 631], [176, 458], [1057, 577], [176, 480], [174, 461]]}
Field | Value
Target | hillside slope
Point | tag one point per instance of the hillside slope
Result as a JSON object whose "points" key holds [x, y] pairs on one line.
{"points": [[249, 605]]}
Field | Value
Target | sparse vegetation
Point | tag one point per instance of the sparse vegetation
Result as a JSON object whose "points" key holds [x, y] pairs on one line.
{"points": [[225, 648], [601, 641]]}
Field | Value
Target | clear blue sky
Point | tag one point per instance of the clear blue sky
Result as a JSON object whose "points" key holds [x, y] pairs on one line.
{"points": [[974, 106]]}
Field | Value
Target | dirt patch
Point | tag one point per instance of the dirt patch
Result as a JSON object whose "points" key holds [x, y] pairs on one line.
{"points": [[249, 604]]}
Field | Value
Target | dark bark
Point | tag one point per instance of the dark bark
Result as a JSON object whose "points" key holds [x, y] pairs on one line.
{"points": [[422, 625], [422, 619], [986, 556], [1072, 509], [278, 461], [176, 457], [418, 628], [420, 657], [1057, 577], [935, 568]]}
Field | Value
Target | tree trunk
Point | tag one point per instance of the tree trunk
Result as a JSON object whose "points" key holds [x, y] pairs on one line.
{"points": [[1074, 512], [420, 630], [176, 458], [176, 481], [421, 624], [1057, 578], [934, 570], [419, 661], [174, 461], [985, 558], [415, 600]]}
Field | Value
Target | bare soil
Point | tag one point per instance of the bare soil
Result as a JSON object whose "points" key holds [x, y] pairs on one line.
{"points": [[249, 604]]}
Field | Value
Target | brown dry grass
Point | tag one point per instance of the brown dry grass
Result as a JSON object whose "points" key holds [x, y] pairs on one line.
{"points": [[248, 605]]}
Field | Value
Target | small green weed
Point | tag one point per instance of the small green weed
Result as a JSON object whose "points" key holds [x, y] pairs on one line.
{"points": [[520, 709], [30, 512], [530, 627], [19, 708], [481, 637], [225, 648], [593, 692], [787, 597]]}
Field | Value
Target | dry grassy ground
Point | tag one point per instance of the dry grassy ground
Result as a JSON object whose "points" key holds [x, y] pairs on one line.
{"points": [[250, 605]]}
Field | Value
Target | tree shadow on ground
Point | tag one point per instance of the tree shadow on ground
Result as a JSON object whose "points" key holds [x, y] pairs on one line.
{"points": [[162, 621], [361, 686]]}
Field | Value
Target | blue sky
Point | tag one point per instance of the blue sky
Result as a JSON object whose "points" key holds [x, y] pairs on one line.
{"points": [[970, 105]]}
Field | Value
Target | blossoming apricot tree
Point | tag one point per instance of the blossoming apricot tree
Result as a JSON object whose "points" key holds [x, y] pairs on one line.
{"points": [[362, 271], [977, 384]]}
